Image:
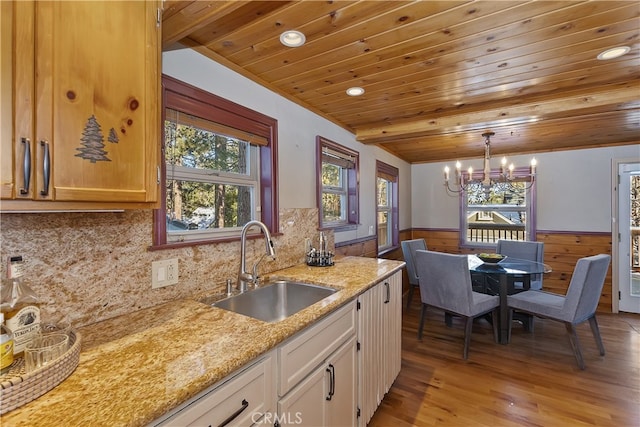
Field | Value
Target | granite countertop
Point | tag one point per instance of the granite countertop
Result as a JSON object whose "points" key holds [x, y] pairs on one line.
{"points": [[135, 368]]}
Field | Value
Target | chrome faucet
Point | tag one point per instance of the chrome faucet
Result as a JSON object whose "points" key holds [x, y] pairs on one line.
{"points": [[245, 278]]}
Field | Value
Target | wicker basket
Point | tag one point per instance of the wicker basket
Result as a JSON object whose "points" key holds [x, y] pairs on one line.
{"points": [[18, 388]]}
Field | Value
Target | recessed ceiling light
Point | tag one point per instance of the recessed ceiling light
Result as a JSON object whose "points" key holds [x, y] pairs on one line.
{"points": [[614, 52], [355, 91], [292, 38]]}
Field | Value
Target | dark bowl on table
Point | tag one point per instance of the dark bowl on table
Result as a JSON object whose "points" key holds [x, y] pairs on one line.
{"points": [[491, 258]]}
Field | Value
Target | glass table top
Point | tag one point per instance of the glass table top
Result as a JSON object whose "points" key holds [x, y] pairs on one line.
{"points": [[508, 266]]}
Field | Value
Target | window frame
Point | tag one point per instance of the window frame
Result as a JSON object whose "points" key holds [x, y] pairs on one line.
{"points": [[521, 174], [392, 175], [183, 97], [352, 185]]}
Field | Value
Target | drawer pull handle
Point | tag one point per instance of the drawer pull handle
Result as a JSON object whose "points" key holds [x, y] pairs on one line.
{"points": [[386, 284], [332, 381], [244, 406], [26, 165], [46, 167]]}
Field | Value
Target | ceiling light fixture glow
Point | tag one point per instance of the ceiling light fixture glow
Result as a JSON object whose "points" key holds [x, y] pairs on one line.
{"points": [[292, 38], [355, 91], [614, 52], [486, 180]]}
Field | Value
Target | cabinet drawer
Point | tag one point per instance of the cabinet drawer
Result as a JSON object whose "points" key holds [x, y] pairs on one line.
{"points": [[299, 356], [249, 395]]}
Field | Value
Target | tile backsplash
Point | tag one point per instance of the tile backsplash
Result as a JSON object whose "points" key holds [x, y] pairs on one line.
{"points": [[94, 266]]}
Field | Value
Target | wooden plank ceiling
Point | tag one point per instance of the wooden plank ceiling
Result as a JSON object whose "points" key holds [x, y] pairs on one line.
{"points": [[437, 74]]}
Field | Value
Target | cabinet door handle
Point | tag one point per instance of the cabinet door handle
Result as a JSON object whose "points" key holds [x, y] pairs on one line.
{"points": [[46, 167], [386, 284], [26, 165], [244, 406], [332, 381]]}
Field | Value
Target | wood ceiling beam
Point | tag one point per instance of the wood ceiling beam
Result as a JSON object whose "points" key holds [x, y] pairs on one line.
{"points": [[195, 16], [537, 109]]}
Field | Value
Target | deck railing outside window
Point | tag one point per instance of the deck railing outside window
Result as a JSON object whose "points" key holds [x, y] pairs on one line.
{"points": [[491, 233]]}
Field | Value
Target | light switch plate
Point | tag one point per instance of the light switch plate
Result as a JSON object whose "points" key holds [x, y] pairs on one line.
{"points": [[164, 273]]}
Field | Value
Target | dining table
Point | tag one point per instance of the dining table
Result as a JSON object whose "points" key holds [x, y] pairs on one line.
{"points": [[501, 272]]}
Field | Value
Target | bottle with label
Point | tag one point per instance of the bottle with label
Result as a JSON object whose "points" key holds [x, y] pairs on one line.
{"points": [[6, 346], [20, 307]]}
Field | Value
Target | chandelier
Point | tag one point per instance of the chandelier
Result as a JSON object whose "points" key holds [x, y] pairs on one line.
{"points": [[504, 176]]}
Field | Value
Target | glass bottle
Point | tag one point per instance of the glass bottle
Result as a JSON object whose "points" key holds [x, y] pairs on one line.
{"points": [[20, 307], [6, 346]]}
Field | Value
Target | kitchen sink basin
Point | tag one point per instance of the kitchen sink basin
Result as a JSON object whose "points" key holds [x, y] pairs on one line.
{"points": [[275, 301]]}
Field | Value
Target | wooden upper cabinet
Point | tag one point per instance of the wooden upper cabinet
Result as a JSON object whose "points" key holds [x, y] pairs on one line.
{"points": [[6, 104], [86, 86]]}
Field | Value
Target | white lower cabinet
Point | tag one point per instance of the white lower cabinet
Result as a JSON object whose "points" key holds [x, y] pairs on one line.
{"points": [[327, 396], [318, 373], [379, 334], [243, 400]]}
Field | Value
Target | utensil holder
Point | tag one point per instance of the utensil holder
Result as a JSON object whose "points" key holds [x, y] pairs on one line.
{"points": [[320, 260]]}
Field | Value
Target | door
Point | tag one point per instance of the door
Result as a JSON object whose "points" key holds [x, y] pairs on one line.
{"points": [[628, 260], [96, 120], [341, 399], [392, 324], [6, 100], [305, 404]]}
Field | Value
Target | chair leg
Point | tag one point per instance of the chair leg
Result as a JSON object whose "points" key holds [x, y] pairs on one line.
{"points": [[509, 322], [410, 296], [529, 327], [596, 333], [526, 319], [575, 344], [468, 326], [423, 312], [494, 321], [448, 319]]}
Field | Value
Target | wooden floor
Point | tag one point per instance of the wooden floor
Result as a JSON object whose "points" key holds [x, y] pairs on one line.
{"points": [[533, 381]]}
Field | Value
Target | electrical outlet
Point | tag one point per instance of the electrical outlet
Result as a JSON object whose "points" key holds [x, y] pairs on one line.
{"points": [[164, 273]]}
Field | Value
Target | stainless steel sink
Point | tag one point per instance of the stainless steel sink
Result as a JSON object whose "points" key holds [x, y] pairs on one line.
{"points": [[275, 301]]}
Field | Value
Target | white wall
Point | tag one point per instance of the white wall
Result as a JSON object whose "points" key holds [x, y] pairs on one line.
{"points": [[574, 190], [297, 130]]}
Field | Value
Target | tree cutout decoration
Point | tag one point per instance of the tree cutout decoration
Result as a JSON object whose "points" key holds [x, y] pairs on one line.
{"points": [[113, 136], [92, 139]]}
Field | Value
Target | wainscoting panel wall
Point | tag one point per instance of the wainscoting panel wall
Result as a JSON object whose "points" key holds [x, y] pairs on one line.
{"points": [[561, 252]]}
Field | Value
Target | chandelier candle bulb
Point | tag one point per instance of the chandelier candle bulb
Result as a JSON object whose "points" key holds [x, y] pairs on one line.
{"points": [[507, 176]]}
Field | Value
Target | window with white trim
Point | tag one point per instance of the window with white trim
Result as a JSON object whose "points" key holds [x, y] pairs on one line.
{"points": [[502, 211], [212, 177], [337, 183], [387, 206], [219, 168]]}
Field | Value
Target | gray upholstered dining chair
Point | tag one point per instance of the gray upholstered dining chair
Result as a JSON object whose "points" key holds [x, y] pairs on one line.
{"points": [[531, 251], [577, 306], [409, 247], [445, 283]]}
